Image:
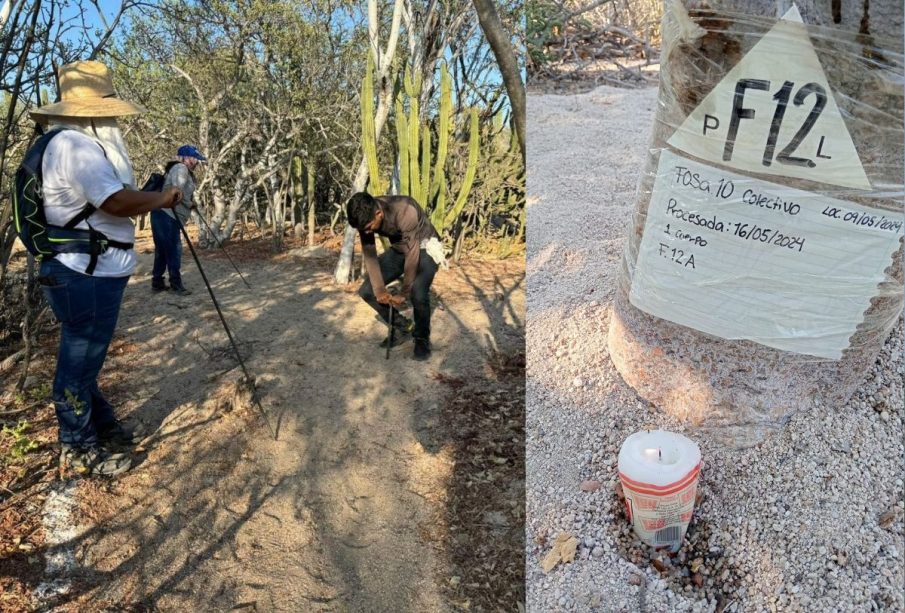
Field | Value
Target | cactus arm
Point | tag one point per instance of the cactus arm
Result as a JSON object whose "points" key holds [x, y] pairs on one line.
{"points": [[468, 181]]}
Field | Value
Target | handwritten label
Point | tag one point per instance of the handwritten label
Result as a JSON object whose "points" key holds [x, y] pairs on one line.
{"points": [[742, 258], [774, 113]]}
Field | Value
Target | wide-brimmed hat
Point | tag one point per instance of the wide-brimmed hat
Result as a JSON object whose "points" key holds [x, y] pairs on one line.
{"points": [[86, 90]]}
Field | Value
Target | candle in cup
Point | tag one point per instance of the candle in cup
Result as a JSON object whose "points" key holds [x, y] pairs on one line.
{"points": [[659, 473]]}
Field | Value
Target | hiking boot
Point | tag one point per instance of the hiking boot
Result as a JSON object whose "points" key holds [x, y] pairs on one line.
{"points": [[94, 461], [179, 288], [117, 434], [399, 337], [422, 349], [158, 284]]}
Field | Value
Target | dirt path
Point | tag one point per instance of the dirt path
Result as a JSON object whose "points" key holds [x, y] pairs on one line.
{"points": [[342, 512]]}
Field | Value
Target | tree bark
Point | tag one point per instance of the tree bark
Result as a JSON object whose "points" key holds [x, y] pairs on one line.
{"points": [[509, 67], [343, 272]]}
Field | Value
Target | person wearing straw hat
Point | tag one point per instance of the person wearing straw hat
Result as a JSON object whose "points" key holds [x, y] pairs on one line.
{"points": [[88, 184], [165, 230]]}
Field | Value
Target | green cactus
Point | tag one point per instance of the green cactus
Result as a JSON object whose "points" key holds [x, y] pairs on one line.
{"points": [[425, 164], [402, 139], [413, 91], [468, 181], [438, 186], [368, 131], [442, 129], [414, 150]]}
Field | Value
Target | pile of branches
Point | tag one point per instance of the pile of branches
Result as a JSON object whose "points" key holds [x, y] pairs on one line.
{"points": [[571, 43]]}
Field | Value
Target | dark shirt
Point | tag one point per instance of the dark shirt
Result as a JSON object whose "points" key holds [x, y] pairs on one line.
{"points": [[405, 224]]}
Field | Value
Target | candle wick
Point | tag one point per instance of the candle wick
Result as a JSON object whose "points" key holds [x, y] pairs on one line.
{"points": [[660, 454]]}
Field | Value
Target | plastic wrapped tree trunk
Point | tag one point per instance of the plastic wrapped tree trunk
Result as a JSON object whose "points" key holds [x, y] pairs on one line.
{"points": [[763, 271]]}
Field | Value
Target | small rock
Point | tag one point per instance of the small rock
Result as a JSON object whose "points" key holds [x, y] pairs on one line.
{"points": [[660, 565], [597, 552], [577, 382], [590, 486], [635, 580], [887, 518], [698, 579]]}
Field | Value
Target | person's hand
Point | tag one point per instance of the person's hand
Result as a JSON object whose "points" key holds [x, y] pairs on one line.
{"points": [[391, 299], [171, 197]]}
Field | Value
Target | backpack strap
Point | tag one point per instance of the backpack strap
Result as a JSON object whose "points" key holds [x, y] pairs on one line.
{"points": [[81, 216]]}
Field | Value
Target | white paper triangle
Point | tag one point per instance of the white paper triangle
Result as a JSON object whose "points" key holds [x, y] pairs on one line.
{"points": [[782, 65]]}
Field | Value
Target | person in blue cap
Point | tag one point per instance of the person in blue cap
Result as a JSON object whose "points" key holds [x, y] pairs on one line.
{"points": [[165, 230]]}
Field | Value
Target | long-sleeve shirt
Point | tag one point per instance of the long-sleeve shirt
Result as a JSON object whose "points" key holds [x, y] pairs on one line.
{"points": [[405, 224], [179, 176]]}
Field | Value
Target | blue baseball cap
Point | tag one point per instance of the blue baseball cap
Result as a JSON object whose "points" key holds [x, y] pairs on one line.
{"points": [[187, 151]]}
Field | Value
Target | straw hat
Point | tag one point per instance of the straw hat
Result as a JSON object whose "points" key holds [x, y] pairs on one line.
{"points": [[87, 91]]}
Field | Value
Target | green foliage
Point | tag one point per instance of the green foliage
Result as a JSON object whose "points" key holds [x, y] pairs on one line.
{"points": [[78, 406], [21, 444], [543, 24], [41, 392]]}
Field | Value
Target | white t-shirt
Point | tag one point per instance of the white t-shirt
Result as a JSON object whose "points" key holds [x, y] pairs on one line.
{"points": [[76, 172]]}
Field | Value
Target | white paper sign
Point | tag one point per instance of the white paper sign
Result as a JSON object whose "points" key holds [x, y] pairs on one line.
{"points": [[742, 258], [774, 113]]}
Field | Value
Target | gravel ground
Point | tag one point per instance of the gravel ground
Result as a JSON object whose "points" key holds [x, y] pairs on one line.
{"points": [[809, 520]]}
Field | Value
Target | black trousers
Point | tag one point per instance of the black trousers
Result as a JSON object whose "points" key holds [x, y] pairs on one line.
{"points": [[392, 264]]}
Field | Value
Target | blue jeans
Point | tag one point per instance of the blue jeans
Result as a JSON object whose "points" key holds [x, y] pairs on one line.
{"points": [[167, 247], [87, 308]]}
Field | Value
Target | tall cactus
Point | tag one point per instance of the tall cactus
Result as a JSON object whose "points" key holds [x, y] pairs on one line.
{"points": [[368, 132], [402, 138], [468, 181], [413, 91], [438, 187], [425, 164], [414, 150]]}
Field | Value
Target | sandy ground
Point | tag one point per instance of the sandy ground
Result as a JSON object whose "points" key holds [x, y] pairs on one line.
{"points": [[810, 520], [347, 509]]}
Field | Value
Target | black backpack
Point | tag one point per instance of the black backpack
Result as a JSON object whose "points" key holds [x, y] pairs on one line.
{"points": [[156, 181], [40, 238]]}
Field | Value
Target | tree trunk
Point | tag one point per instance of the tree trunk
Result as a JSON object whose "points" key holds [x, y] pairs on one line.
{"points": [[505, 56], [343, 272], [745, 388], [312, 206]]}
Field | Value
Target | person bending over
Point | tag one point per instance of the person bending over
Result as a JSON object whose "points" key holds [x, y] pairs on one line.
{"points": [[415, 253]]}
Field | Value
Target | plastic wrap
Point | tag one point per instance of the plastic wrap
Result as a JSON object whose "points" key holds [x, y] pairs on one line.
{"points": [[763, 271]]}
